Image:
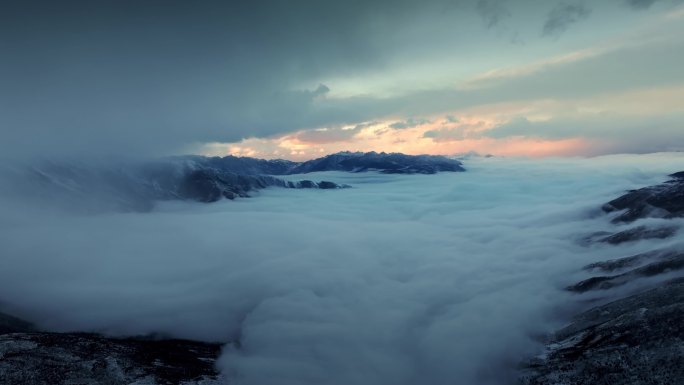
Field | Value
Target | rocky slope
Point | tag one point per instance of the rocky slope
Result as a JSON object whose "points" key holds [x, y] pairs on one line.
{"points": [[135, 186], [392, 163], [634, 331], [634, 340], [84, 359], [242, 165], [665, 200], [210, 185], [32, 357]]}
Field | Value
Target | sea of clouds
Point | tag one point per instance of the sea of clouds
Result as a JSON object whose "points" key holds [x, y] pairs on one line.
{"points": [[403, 279]]}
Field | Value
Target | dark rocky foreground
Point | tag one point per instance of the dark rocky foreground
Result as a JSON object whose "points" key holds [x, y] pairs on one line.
{"points": [[29, 357], [634, 332], [634, 340]]}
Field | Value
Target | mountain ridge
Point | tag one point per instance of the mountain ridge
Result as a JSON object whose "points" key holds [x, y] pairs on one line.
{"points": [[137, 185], [348, 161], [630, 329]]}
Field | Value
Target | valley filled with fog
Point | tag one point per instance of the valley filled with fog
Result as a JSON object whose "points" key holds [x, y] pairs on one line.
{"points": [[400, 279]]}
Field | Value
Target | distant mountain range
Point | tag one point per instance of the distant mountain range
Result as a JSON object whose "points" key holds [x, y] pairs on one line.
{"points": [[134, 186], [392, 163]]}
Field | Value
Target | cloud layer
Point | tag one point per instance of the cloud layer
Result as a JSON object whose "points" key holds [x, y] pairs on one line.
{"points": [[399, 280], [123, 77]]}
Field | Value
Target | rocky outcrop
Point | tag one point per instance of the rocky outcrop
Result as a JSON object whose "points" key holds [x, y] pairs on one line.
{"points": [[30, 357], [644, 265], [631, 234], [210, 185], [636, 339], [665, 200], [10, 324], [639, 233], [242, 165], [135, 186], [389, 163], [73, 358], [393, 163]]}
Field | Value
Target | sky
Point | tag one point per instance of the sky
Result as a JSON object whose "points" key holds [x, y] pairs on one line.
{"points": [[299, 79]]}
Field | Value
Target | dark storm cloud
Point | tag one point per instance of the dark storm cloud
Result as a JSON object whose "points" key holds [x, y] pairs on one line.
{"points": [[157, 77], [82, 75], [152, 77], [562, 16]]}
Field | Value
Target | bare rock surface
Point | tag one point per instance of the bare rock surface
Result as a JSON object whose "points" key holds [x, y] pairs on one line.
{"points": [[639, 233], [665, 200], [41, 358], [668, 261], [638, 337], [634, 340]]}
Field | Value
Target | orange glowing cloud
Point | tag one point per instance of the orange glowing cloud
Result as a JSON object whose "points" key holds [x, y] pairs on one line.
{"points": [[466, 130], [415, 140]]}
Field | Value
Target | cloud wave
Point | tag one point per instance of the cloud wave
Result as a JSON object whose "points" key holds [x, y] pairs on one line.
{"points": [[400, 280]]}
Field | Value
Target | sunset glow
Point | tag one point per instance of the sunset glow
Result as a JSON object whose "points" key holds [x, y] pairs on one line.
{"points": [[474, 129]]}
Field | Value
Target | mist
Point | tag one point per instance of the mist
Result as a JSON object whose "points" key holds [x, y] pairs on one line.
{"points": [[402, 279]]}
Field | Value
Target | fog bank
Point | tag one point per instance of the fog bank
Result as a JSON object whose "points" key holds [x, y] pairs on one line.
{"points": [[403, 279]]}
